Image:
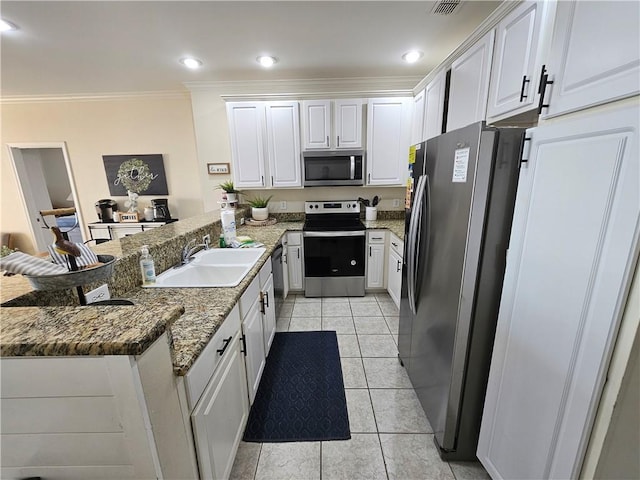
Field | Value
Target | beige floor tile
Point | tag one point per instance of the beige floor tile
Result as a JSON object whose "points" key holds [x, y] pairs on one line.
{"points": [[335, 300], [366, 310], [383, 297], [371, 325], [282, 324], [361, 419], [336, 309], [303, 299], [413, 457], [246, 462], [389, 308], [393, 323], [302, 324], [353, 373], [291, 460], [469, 471], [368, 298], [377, 346], [286, 309], [307, 310], [358, 458], [348, 346], [341, 325], [385, 373], [398, 411]]}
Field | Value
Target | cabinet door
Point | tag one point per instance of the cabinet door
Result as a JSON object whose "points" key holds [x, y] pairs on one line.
{"points": [[570, 258], [388, 138], [470, 84], [513, 87], [595, 55], [294, 262], [283, 143], [375, 266], [434, 106], [254, 347], [394, 276], [221, 415], [268, 306], [348, 123], [246, 128], [417, 123], [316, 124]]}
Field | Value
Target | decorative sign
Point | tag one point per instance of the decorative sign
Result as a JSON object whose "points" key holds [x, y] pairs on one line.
{"points": [[142, 174], [218, 168]]}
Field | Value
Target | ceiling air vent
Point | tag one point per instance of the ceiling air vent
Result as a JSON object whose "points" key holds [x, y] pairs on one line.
{"points": [[445, 7]]}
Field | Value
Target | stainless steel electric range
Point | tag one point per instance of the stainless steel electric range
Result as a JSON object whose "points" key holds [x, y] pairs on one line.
{"points": [[334, 249]]}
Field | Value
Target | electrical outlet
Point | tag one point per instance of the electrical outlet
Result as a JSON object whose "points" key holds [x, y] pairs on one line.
{"points": [[206, 239], [396, 202], [283, 205], [242, 221], [100, 293]]}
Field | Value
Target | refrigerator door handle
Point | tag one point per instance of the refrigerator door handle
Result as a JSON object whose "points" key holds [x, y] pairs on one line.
{"points": [[414, 235]]}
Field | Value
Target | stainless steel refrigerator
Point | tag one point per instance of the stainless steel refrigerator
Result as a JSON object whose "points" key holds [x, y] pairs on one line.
{"points": [[459, 209]]}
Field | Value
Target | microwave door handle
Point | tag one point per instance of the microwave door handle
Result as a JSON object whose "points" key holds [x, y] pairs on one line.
{"points": [[353, 167]]}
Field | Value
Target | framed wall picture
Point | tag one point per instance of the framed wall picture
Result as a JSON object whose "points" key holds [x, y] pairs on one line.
{"points": [[142, 174], [218, 168]]}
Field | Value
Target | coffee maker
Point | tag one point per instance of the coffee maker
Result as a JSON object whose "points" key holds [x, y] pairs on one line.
{"points": [[160, 209], [105, 209]]}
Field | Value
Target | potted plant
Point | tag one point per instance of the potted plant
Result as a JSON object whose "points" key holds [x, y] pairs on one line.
{"points": [[260, 207], [231, 194]]}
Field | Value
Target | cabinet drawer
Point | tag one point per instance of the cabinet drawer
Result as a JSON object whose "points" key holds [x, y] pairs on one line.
{"points": [[295, 238], [376, 236], [396, 244], [202, 370]]}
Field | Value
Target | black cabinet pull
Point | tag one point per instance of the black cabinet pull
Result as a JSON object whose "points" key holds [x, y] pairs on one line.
{"points": [[225, 344], [369, 251], [524, 83], [398, 265], [542, 72], [298, 251], [262, 308], [243, 339], [544, 81], [266, 296], [394, 244]]}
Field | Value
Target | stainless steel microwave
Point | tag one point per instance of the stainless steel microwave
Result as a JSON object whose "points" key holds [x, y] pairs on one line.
{"points": [[331, 168]]}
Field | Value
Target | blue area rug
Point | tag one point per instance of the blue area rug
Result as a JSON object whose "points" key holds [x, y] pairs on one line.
{"points": [[301, 394]]}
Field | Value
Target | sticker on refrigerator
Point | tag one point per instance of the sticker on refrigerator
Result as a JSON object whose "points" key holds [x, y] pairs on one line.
{"points": [[460, 165]]}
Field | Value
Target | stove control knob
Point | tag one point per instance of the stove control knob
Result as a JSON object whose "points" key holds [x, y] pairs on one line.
{"points": [[317, 206], [354, 205], [353, 262], [310, 206]]}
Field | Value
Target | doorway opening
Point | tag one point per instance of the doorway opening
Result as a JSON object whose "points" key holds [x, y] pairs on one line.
{"points": [[46, 182]]}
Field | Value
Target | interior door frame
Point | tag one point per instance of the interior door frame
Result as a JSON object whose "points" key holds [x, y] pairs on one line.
{"points": [[26, 195]]}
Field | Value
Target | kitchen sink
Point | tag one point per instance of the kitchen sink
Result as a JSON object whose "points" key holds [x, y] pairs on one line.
{"points": [[211, 268]]}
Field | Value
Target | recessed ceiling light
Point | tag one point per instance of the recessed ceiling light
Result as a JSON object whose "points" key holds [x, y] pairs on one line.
{"points": [[412, 56], [266, 61], [192, 63], [6, 26]]}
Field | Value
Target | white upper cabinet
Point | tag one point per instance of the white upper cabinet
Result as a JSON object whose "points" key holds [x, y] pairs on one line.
{"points": [[265, 144], [516, 61], [283, 143], [469, 86], [595, 55], [434, 106], [246, 128], [388, 140], [332, 124], [417, 124]]}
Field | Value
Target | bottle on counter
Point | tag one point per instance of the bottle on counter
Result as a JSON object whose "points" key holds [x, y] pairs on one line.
{"points": [[228, 217], [147, 266]]}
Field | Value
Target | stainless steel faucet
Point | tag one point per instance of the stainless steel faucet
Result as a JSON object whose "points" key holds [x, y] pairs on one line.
{"points": [[189, 250]]}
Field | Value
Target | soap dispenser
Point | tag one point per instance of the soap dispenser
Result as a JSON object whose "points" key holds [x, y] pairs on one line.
{"points": [[147, 266]]}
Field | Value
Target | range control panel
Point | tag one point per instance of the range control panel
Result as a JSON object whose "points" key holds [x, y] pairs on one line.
{"points": [[333, 206]]}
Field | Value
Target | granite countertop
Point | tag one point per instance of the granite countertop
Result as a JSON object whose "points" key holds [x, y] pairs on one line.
{"points": [[191, 316]]}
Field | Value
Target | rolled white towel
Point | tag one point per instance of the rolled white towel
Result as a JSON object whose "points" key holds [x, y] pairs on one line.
{"points": [[19, 262], [87, 256]]}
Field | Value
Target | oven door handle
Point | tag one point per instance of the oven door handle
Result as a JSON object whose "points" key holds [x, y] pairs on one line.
{"points": [[353, 167], [356, 233]]}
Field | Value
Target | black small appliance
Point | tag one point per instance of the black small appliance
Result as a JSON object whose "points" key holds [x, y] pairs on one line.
{"points": [[105, 209], [160, 209]]}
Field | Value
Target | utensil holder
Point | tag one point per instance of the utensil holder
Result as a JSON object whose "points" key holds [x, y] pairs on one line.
{"points": [[370, 213]]}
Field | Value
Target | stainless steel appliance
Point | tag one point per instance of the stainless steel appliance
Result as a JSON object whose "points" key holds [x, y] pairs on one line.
{"points": [[105, 209], [280, 289], [160, 209], [458, 220], [334, 249], [330, 168]]}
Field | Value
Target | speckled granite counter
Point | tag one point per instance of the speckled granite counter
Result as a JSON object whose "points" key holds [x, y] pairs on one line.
{"points": [[129, 330]]}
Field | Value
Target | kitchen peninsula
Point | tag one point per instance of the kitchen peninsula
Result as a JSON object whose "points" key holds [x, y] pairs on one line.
{"points": [[128, 377]]}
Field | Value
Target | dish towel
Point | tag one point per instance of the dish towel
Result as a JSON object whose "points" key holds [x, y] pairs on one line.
{"points": [[19, 262], [87, 257]]}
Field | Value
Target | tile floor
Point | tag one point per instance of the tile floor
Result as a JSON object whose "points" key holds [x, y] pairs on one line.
{"points": [[390, 435]]}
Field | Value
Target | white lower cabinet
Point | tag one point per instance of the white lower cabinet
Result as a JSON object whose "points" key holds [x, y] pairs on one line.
{"points": [[253, 335], [267, 306], [375, 259], [571, 254], [295, 261], [394, 268], [221, 414]]}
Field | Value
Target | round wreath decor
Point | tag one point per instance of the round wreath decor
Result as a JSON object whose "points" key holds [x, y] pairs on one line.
{"points": [[135, 175]]}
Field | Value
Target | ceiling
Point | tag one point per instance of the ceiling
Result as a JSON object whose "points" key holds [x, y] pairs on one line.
{"points": [[106, 47]]}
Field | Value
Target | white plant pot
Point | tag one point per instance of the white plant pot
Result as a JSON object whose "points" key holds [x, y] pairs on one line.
{"points": [[232, 197], [259, 213]]}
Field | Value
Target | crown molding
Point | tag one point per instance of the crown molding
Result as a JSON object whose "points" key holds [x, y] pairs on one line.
{"points": [[488, 24], [92, 97], [307, 88]]}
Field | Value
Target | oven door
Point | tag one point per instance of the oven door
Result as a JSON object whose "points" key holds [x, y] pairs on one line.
{"points": [[334, 254]]}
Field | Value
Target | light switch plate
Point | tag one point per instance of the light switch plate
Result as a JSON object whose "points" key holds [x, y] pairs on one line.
{"points": [[396, 202], [283, 205], [97, 294]]}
